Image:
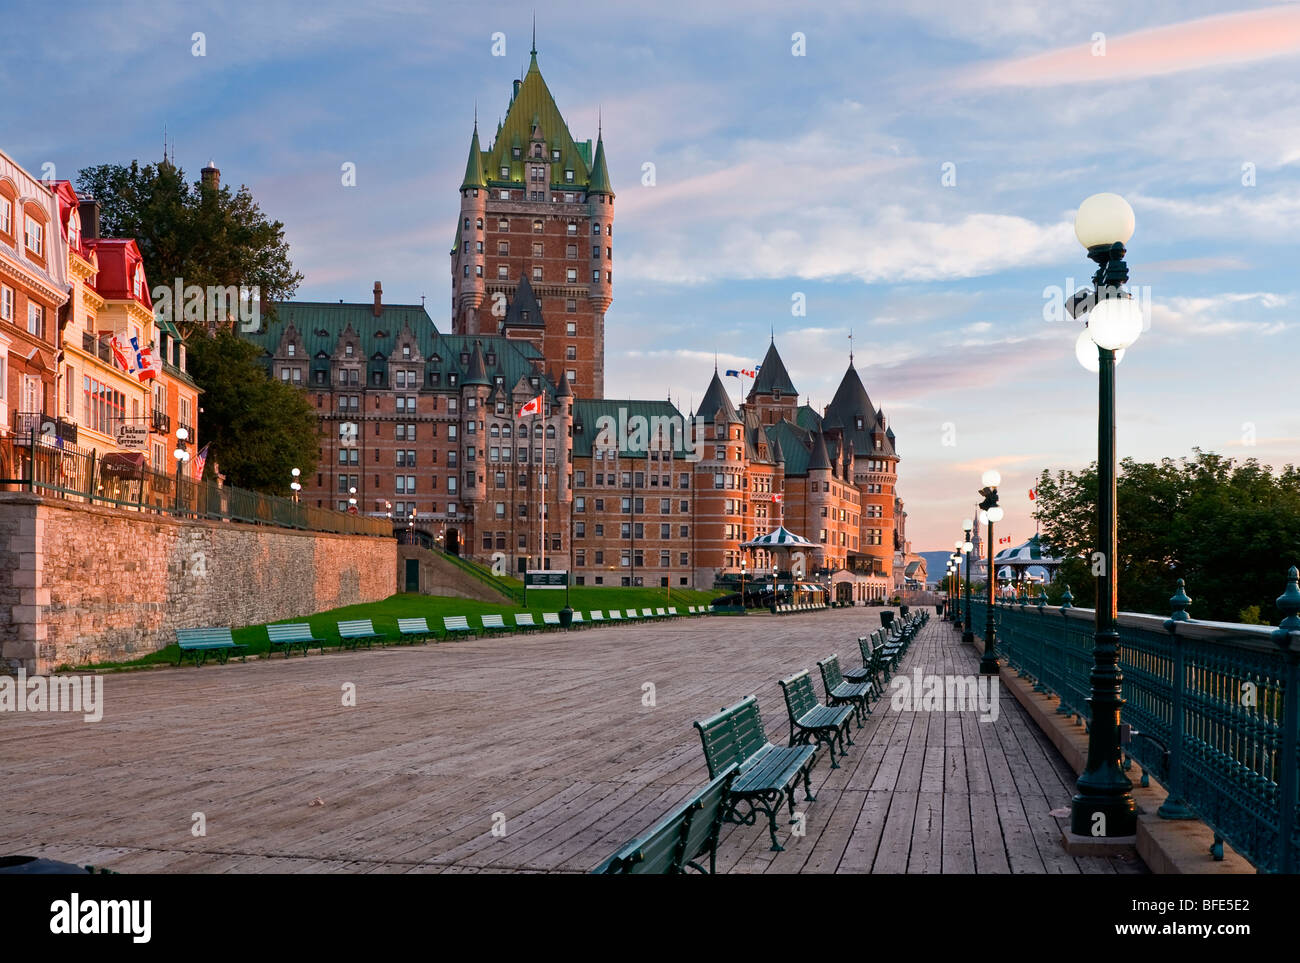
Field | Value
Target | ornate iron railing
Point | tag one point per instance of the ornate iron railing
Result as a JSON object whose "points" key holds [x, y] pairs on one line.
{"points": [[1214, 709], [45, 465]]}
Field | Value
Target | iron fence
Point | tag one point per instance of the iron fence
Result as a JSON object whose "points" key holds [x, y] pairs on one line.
{"points": [[1212, 706], [47, 465]]}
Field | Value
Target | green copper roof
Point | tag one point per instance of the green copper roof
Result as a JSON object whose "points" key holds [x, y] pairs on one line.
{"points": [[795, 443], [599, 172], [534, 104], [587, 414], [474, 166], [772, 375]]}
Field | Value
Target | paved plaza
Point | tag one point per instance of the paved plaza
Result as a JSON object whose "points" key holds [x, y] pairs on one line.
{"points": [[549, 731]]}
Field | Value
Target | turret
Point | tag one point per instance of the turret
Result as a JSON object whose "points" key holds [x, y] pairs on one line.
{"points": [[476, 387], [469, 257], [600, 201]]}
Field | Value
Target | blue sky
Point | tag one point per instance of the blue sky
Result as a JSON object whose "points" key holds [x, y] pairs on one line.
{"points": [[775, 175]]}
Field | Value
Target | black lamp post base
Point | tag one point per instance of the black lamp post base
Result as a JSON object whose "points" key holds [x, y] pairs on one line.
{"points": [[1112, 816], [989, 664], [1076, 845], [968, 638]]}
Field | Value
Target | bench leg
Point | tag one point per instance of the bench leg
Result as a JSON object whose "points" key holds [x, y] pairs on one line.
{"points": [[771, 811], [807, 785]]}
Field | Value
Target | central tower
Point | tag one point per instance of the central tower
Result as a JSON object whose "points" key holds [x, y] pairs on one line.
{"points": [[534, 253]]}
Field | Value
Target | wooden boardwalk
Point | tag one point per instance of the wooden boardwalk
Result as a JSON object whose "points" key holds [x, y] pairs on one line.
{"points": [[545, 736]]}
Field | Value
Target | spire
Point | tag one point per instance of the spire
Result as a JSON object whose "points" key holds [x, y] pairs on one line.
{"points": [[820, 459], [772, 376], [534, 50], [474, 165], [716, 405], [599, 183], [477, 373]]}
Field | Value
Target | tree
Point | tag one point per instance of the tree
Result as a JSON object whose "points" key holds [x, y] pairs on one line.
{"points": [[258, 428], [1230, 529]]}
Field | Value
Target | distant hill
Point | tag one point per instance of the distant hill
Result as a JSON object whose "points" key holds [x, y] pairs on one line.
{"points": [[936, 564]]}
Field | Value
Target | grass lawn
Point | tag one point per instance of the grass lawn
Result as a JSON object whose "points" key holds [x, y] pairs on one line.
{"points": [[384, 615]]}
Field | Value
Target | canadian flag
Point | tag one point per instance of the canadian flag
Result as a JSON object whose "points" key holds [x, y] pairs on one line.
{"points": [[119, 354], [531, 407], [776, 497], [1033, 494]]}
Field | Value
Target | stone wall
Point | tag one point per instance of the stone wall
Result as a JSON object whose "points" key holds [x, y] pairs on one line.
{"points": [[82, 584], [440, 577]]}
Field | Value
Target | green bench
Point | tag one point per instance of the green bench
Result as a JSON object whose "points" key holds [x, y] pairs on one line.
{"points": [[812, 721], [524, 622], [358, 632], [766, 774], [597, 615], [551, 620], [457, 625], [614, 616], [195, 644], [842, 693], [672, 610], [285, 638], [680, 839], [494, 624], [414, 630], [578, 621]]}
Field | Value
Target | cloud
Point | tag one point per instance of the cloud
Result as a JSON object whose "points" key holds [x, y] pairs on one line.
{"points": [[1222, 314], [1233, 38]]}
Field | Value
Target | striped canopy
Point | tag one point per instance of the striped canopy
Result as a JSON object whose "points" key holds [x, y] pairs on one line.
{"points": [[1030, 553], [779, 537]]}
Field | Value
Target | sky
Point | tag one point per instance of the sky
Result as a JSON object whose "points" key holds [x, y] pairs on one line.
{"points": [[908, 170]]}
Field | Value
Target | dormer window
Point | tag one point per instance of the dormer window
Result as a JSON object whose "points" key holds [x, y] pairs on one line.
{"points": [[537, 150], [137, 282], [568, 176], [857, 422], [406, 352], [74, 229], [464, 357], [292, 348], [347, 350], [776, 394], [514, 152], [555, 155], [491, 357]]}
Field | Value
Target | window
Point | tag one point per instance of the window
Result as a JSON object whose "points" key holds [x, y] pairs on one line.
{"points": [[537, 249], [35, 236], [595, 277], [595, 251], [6, 216], [137, 282], [537, 273], [505, 172], [571, 306], [555, 155], [35, 319], [571, 275], [568, 176], [503, 248], [537, 227], [595, 230], [571, 228], [503, 224], [6, 304], [502, 272]]}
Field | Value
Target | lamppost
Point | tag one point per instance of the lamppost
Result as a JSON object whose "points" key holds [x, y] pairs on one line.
{"points": [[967, 547], [742, 584], [352, 501], [990, 512], [181, 456], [294, 486], [1103, 804], [957, 618]]}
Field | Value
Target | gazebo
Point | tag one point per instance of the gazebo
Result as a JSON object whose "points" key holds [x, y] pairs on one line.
{"points": [[782, 540], [1014, 565]]}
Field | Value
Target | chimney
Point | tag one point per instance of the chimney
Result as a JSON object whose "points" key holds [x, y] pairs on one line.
{"points": [[89, 210], [211, 176], [379, 299]]}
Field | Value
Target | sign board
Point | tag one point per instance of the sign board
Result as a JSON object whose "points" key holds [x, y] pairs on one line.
{"points": [[546, 578], [132, 437]]}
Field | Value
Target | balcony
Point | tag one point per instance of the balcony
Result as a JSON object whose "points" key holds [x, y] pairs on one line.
{"points": [[161, 422]]}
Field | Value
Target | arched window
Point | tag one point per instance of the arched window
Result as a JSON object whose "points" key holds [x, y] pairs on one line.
{"points": [[537, 227], [137, 282], [478, 223]]}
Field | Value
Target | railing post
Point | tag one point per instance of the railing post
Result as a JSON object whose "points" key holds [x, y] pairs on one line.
{"points": [[1060, 668], [1287, 637], [1174, 806]]}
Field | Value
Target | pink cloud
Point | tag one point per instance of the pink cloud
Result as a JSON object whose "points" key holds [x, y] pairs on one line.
{"points": [[1207, 42]]}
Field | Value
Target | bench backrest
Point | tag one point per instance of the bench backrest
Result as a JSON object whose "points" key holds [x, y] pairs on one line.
{"points": [[864, 646], [293, 632], [525, 618], [733, 736], [647, 613], [680, 836], [597, 615], [577, 616], [413, 625], [455, 623], [672, 610], [614, 614], [631, 614], [206, 636], [493, 622], [356, 627], [831, 674], [660, 612], [551, 618], [800, 698]]}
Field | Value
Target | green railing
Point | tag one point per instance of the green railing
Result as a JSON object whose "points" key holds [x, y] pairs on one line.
{"points": [[1214, 709], [46, 466], [509, 587]]}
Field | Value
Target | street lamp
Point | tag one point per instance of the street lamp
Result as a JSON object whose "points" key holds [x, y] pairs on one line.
{"points": [[967, 547], [742, 583], [990, 512], [181, 456], [294, 486], [1103, 804]]}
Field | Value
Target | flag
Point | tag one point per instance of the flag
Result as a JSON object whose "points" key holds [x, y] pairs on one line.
{"points": [[747, 373], [200, 460], [1033, 494], [532, 407], [119, 354], [150, 366], [731, 373], [776, 497], [1001, 540]]}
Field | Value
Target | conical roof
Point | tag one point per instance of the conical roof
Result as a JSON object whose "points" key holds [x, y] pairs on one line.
{"points": [[524, 309], [772, 375], [477, 373], [474, 166], [599, 183], [533, 106], [716, 404], [851, 411], [820, 458]]}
